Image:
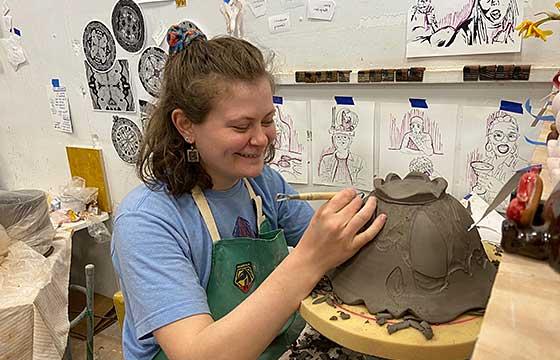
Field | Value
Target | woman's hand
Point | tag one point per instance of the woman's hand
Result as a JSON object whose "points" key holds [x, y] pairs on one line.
{"points": [[332, 235]]}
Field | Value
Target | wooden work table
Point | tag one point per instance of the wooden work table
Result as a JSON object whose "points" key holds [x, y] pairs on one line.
{"points": [[522, 320]]}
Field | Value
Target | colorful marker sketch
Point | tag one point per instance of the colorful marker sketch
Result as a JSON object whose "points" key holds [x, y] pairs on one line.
{"points": [[458, 27], [291, 149], [343, 146], [416, 133], [489, 168], [492, 148], [414, 139]]}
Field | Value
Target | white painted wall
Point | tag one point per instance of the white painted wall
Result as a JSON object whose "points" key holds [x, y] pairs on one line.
{"points": [[363, 34]]}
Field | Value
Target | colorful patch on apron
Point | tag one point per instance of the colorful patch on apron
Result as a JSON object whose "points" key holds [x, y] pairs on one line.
{"points": [[243, 229], [244, 276]]}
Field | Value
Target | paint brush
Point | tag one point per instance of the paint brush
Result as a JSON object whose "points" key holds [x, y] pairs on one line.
{"points": [[310, 196]]}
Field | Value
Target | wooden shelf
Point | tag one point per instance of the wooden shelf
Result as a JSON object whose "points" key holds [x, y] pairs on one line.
{"points": [[539, 74]]}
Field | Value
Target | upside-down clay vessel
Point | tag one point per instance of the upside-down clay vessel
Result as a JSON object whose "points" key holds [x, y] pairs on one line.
{"points": [[424, 262]]}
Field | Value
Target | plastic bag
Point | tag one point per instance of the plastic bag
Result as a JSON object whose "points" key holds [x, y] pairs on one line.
{"points": [[75, 195], [98, 231], [25, 216]]}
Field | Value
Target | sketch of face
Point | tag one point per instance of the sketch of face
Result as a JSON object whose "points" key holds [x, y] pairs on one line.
{"points": [[346, 119], [502, 138], [416, 125], [494, 10], [423, 5], [342, 141]]}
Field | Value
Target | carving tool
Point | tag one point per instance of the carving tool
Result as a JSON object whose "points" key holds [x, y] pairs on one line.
{"points": [[310, 196], [505, 191]]}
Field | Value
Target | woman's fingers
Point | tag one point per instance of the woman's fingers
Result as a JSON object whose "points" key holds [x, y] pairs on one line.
{"points": [[367, 235], [360, 218], [340, 200], [351, 209]]}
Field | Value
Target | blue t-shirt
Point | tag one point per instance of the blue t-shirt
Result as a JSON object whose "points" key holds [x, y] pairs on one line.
{"points": [[162, 250]]}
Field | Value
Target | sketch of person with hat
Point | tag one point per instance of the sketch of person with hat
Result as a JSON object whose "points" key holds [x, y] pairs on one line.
{"points": [[416, 140], [338, 164]]}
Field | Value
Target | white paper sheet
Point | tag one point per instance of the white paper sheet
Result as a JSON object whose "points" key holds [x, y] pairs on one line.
{"points": [[415, 139], [490, 229], [342, 144], [493, 146], [458, 27], [258, 7], [292, 149], [60, 110], [279, 23], [321, 9]]}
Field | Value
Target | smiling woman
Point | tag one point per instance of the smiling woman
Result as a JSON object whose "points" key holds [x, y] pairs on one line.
{"points": [[237, 134], [202, 245]]}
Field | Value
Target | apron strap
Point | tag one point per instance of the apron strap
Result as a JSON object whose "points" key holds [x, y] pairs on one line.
{"points": [[206, 213], [258, 203], [208, 218]]}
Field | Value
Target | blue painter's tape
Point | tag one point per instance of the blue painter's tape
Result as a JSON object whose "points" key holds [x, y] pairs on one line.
{"points": [[278, 100], [55, 83], [226, 1], [17, 31], [511, 106], [344, 100], [529, 109], [418, 103], [534, 142]]}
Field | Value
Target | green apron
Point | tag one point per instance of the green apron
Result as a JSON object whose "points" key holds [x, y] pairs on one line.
{"points": [[240, 265]]}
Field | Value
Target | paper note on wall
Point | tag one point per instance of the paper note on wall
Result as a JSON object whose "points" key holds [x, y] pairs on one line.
{"points": [[279, 23], [258, 7], [60, 110], [321, 9]]}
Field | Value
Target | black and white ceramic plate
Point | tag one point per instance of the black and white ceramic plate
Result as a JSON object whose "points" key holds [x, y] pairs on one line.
{"points": [[99, 46], [129, 26], [126, 137], [150, 69]]}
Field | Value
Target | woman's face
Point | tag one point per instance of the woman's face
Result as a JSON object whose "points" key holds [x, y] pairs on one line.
{"points": [[233, 140], [416, 127], [342, 141], [494, 10], [503, 137]]}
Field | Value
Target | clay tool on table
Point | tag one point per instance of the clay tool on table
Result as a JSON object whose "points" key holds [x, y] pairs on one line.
{"points": [[310, 196], [504, 192]]}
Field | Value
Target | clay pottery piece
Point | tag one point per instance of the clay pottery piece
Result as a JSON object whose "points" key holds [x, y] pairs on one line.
{"points": [[424, 262]]}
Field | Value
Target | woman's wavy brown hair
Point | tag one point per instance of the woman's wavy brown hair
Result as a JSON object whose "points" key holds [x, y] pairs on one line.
{"points": [[193, 80]]}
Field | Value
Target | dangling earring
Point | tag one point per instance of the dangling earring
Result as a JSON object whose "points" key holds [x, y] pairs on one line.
{"points": [[192, 153]]}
